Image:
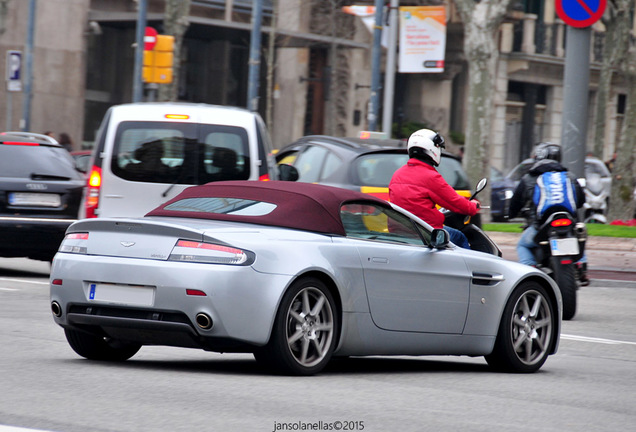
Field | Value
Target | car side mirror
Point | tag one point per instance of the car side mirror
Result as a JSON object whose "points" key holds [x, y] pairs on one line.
{"points": [[287, 172], [439, 238]]}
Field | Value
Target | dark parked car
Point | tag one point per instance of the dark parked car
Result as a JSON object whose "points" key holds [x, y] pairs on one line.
{"points": [[365, 165], [502, 191], [40, 194]]}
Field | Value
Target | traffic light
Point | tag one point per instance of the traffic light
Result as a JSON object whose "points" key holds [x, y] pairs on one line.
{"points": [[158, 61]]}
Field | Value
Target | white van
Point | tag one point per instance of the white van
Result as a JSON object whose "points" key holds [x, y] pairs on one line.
{"points": [[146, 153]]}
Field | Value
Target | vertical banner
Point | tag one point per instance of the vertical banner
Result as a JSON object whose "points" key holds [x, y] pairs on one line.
{"points": [[422, 39]]}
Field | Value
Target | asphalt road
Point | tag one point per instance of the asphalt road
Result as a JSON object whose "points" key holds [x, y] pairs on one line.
{"points": [[588, 385]]}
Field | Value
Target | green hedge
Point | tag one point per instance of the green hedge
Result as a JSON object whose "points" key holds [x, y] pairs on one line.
{"points": [[600, 230]]}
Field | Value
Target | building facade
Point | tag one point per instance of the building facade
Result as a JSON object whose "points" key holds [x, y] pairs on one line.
{"points": [[315, 70]]}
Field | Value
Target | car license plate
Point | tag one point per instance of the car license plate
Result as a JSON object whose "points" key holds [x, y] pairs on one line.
{"points": [[34, 199], [565, 246], [122, 294]]}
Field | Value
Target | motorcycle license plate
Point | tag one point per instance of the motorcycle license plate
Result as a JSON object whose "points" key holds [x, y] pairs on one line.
{"points": [[565, 246]]}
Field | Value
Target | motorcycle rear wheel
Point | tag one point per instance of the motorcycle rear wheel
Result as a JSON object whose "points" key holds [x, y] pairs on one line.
{"points": [[564, 277]]}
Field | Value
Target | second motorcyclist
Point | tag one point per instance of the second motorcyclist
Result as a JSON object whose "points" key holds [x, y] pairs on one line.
{"points": [[547, 158]]}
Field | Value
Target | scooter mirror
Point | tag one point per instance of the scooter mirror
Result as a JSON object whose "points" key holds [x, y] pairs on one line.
{"points": [[481, 185]]}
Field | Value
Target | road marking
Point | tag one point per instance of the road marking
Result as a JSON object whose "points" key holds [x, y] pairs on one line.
{"points": [[596, 340], [23, 281], [18, 429]]}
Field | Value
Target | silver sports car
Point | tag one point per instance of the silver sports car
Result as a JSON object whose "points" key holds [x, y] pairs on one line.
{"points": [[296, 274]]}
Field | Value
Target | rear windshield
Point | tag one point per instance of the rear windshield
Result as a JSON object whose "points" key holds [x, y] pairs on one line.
{"points": [[180, 153], [37, 162], [234, 206], [376, 169]]}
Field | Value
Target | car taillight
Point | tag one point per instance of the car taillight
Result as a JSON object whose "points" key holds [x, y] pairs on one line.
{"points": [[74, 243], [94, 183], [210, 253], [264, 177], [20, 143], [561, 223]]}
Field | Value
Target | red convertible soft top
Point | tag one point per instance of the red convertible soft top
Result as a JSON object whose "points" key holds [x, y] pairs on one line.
{"points": [[303, 206]]}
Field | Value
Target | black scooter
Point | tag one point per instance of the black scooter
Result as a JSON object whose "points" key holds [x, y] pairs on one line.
{"points": [[477, 238]]}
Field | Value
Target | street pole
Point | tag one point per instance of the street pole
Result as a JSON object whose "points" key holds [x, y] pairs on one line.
{"points": [[576, 80], [255, 57], [389, 70], [9, 110], [25, 123], [375, 67], [138, 86]]}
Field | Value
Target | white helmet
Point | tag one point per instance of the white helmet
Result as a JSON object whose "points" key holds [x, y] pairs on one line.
{"points": [[426, 142]]}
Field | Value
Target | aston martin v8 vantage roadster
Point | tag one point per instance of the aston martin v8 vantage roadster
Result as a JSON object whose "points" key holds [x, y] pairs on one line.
{"points": [[296, 274]]}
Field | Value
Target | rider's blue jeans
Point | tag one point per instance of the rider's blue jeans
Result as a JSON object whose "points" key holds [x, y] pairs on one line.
{"points": [[457, 237], [526, 244]]}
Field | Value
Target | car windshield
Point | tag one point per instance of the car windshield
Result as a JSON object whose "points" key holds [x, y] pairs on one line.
{"points": [[593, 166], [520, 170], [180, 153], [452, 171]]}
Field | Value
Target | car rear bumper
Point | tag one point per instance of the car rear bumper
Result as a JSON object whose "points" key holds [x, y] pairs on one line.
{"points": [[31, 237], [240, 302]]}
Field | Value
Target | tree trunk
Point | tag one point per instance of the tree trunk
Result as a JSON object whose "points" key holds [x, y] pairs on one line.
{"points": [[481, 29], [622, 198], [271, 56], [175, 23], [3, 15], [617, 30]]}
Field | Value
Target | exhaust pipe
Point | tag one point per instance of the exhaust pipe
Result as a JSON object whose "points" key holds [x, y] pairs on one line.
{"points": [[204, 321], [56, 309]]}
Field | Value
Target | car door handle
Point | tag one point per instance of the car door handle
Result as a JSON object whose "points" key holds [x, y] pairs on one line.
{"points": [[380, 260], [487, 278]]}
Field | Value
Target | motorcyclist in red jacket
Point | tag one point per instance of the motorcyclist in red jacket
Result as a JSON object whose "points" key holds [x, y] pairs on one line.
{"points": [[418, 187]]}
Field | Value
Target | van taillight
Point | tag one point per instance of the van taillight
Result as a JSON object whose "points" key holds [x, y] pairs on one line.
{"points": [[92, 193]]}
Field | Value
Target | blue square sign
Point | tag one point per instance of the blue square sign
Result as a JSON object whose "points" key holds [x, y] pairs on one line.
{"points": [[14, 70]]}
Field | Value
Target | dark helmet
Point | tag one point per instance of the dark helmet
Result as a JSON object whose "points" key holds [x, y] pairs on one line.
{"points": [[547, 150]]}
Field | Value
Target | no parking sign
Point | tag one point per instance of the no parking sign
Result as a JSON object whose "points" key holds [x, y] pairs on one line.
{"points": [[580, 13]]}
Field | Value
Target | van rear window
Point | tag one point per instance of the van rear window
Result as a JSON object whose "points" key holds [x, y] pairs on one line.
{"points": [[180, 153]]}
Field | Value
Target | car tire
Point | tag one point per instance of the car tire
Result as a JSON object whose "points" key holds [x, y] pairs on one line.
{"points": [[565, 278], [526, 331], [100, 348], [304, 333]]}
